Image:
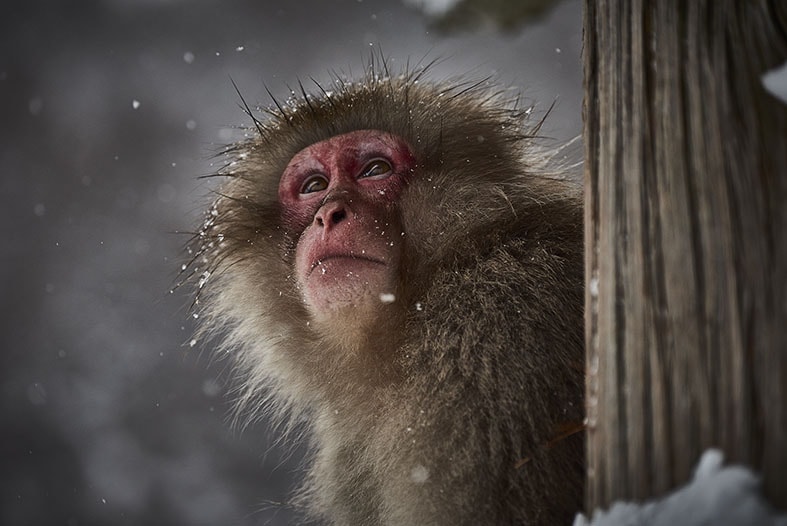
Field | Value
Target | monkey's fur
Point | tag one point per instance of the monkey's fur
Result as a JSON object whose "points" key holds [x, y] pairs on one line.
{"points": [[455, 411]]}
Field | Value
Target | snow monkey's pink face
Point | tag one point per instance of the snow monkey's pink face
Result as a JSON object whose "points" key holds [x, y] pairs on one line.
{"points": [[343, 194]]}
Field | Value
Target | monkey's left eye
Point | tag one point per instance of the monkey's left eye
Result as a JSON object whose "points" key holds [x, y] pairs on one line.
{"points": [[315, 183], [376, 168]]}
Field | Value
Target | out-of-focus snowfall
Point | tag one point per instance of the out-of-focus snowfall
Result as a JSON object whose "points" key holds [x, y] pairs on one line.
{"points": [[110, 110]]}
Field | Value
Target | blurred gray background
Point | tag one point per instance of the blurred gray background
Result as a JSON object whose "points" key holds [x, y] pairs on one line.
{"points": [[110, 110]]}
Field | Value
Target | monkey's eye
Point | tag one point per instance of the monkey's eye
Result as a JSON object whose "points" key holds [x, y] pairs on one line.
{"points": [[315, 183], [376, 168]]}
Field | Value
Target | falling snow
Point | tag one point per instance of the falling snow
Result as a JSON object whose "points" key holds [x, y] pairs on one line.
{"points": [[419, 474], [387, 297]]}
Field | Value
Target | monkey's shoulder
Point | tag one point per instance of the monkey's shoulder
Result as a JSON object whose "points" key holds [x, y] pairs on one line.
{"points": [[514, 294]]}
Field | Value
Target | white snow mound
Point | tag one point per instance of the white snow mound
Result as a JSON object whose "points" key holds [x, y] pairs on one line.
{"points": [[717, 495]]}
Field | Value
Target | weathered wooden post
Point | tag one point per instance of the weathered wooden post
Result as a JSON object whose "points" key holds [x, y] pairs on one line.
{"points": [[686, 230]]}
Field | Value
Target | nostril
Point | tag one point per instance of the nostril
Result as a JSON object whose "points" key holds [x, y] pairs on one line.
{"points": [[338, 216]]}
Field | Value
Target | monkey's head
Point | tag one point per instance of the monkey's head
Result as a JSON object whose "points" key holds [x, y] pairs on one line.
{"points": [[337, 212]]}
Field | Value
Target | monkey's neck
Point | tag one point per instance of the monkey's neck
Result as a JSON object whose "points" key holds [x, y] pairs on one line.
{"points": [[355, 352]]}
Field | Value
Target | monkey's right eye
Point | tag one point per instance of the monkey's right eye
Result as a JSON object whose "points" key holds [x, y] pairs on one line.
{"points": [[315, 183]]}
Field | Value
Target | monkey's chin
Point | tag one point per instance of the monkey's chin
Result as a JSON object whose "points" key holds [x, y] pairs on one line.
{"points": [[348, 287]]}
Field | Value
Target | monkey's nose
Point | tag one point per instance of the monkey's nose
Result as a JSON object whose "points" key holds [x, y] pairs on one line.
{"points": [[331, 214]]}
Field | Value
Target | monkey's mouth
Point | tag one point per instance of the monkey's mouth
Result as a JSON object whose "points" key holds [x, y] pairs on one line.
{"points": [[351, 258]]}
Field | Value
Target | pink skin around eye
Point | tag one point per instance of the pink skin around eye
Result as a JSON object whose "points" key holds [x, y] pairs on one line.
{"points": [[349, 249], [342, 159]]}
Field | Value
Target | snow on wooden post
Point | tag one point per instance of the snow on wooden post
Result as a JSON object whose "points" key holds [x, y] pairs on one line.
{"points": [[686, 230]]}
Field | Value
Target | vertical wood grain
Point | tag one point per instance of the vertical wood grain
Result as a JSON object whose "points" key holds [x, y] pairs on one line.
{"points": [[686, 231]]}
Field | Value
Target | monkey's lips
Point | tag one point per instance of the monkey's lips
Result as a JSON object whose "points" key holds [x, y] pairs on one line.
{"points": [[344, 262]]}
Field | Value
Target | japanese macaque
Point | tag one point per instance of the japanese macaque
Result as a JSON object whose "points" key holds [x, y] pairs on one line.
{"points": [[397, 266]]}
